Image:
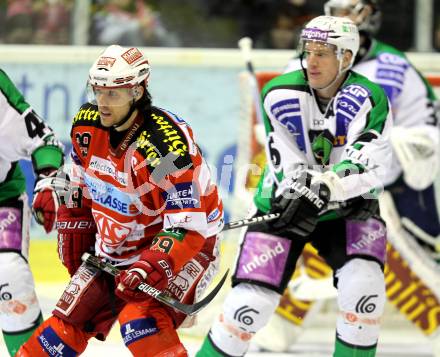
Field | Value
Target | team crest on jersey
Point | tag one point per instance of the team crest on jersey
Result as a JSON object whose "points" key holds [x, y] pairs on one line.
{"points": [[288, 113], [112, 233]]}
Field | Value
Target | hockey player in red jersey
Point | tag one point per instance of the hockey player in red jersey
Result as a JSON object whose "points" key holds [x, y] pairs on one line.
{"points": [[145, 202]]}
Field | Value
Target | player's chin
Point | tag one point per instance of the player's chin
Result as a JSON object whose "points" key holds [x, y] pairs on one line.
{"points": [[106, 120]]}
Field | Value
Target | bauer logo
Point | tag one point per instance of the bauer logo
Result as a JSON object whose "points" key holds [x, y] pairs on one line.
{"points": [[53, 345], [314, 34], [182, 195]]}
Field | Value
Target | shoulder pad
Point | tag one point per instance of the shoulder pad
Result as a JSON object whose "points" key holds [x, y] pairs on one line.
{"points": [[163, 143], [88, 114]]}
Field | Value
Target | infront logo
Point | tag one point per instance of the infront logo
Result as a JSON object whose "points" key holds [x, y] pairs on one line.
{"points": [[263, 258], [314, 34], [4, 223]]}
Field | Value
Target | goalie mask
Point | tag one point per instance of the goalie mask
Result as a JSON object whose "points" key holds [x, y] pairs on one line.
{"points": [[364, 13]]}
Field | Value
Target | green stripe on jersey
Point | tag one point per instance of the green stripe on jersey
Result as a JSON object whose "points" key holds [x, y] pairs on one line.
{"points": [[12, 94], [378, 100], [13, 186]]}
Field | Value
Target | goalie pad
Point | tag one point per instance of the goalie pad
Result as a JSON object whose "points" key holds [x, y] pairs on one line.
{"points": [[418, 155]]}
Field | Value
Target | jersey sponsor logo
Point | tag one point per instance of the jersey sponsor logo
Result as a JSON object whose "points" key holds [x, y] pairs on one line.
{"points": [[288, 113], [394, 76], [393, 60], [348, 104], [314, 34], [86, 114], [390, 74], [215, 214], [106, 195], [182, 195], [137, 329], [162, 140], [106, 167], [53, 345], [112, 233]]}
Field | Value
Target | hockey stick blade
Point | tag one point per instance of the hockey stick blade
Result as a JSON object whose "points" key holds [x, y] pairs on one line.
{"points": [[187, 309]]}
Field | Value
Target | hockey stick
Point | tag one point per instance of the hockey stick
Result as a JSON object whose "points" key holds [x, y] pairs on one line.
{"points": [[245, 46], [271, 216], [187, 309], [250, 221]]}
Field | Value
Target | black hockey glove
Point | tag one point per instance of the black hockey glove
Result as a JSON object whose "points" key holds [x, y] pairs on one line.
{"points": [[299, 205], [361, 209]]}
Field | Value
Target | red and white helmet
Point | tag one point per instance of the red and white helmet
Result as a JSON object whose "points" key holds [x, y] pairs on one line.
{"points": [[119, 67]]}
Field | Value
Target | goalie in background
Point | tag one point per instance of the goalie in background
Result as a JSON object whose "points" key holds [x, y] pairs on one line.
{"points": [[145, 202], [303, 111], [408, 205], [24, 135]]}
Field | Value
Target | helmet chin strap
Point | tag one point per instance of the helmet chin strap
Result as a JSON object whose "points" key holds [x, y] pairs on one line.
{"points": [[126, 117]]}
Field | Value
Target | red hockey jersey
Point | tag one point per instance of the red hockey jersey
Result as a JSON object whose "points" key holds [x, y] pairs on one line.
{"points": [[155, 188]]}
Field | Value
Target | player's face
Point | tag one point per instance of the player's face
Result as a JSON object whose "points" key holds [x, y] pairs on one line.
{"points": [[322, 64], [113, 104]]}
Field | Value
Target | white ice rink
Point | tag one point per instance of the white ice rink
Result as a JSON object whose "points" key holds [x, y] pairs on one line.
{"points": [[316, 342]]}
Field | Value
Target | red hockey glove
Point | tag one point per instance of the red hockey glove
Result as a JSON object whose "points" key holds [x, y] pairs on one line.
{"points": [[76, 235], [45, 203], [153, 268]]}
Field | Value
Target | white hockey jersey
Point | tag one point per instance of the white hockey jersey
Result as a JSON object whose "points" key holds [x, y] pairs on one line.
{"points": [[350, 137], [412, 98]]}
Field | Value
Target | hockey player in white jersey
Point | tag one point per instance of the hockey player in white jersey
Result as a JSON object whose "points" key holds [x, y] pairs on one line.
{"points": [[409, 204], [415, 136], [326, 142], [23, 135]]}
